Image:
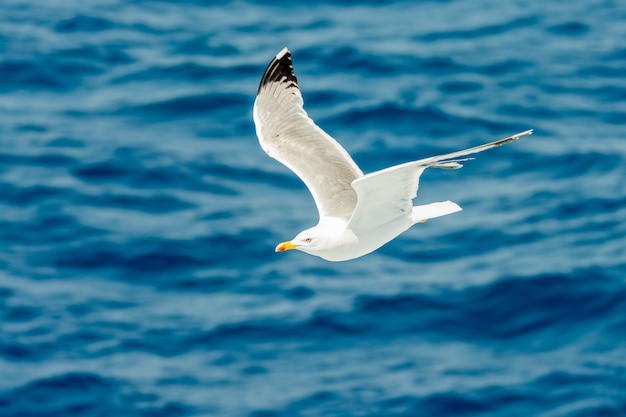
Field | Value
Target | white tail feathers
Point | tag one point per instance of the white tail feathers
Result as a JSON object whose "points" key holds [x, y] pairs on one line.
{"points": [[429, 211]]}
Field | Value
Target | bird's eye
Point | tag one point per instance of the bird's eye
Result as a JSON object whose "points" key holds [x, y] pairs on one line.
{"points": [[308, 240]]}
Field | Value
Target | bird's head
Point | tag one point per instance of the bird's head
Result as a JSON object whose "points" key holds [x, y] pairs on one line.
{"points": [[326, 236], [306, 241]]}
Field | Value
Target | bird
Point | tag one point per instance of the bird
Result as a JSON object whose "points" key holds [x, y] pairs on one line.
{"points": [[358, 213]]}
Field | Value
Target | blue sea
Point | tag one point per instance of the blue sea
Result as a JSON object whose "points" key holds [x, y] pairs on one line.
{"points": [[139, 214]]}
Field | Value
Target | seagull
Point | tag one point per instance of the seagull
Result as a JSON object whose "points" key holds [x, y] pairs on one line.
{"points": [[357, 213]]}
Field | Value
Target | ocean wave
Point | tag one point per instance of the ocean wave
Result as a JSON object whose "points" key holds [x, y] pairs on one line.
{"points": [[138, 214], [482, 31], [80, 393], [431, 120], [526, 310]]}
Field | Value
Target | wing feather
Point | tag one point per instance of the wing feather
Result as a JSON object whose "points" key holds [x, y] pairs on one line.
{"points": [[388, 194], [288, 134]]}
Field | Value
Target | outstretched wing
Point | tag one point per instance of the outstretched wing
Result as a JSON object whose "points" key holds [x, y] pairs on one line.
{"points": [[287, 134], [385, 195]]}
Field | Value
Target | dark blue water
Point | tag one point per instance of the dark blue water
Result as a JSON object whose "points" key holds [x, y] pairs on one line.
{"points": [[139, 215]]}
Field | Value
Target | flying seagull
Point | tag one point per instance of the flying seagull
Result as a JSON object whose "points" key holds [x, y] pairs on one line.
{"points": [[357, 213]]}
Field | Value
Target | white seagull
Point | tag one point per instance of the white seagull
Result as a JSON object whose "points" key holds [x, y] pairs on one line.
{"points": [[357, 213]]}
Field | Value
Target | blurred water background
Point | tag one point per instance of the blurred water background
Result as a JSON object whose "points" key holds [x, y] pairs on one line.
{"points": [[139, 215]]}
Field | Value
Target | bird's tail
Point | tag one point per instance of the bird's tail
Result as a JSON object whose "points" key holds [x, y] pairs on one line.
{"points": [[429, 211]]}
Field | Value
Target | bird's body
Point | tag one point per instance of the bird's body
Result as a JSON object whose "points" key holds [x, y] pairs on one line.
{"points": [[358, 213]]}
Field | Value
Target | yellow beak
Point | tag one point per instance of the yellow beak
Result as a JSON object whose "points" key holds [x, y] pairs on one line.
{"points": [[285, 246]]}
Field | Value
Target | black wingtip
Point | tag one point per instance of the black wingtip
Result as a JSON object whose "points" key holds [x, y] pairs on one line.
{"points": [[279, 70]]}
